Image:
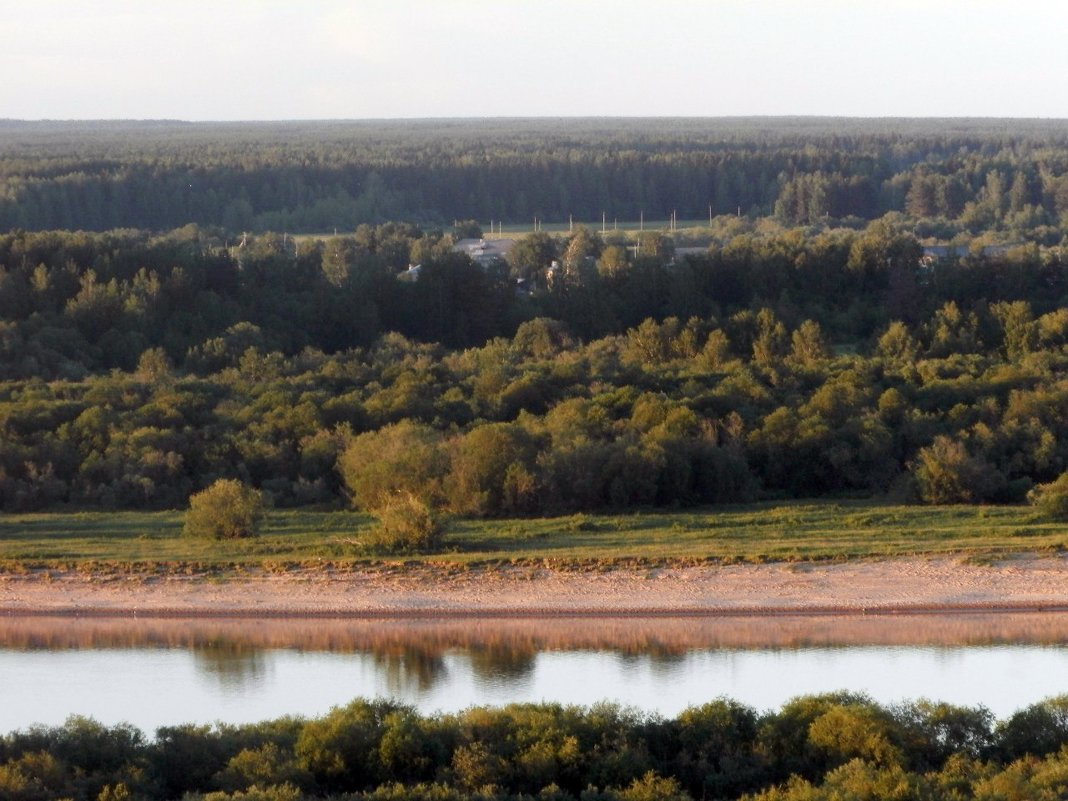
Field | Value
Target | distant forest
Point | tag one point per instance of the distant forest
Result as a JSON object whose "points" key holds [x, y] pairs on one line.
{"points": [[920, 355], [958, 175]]}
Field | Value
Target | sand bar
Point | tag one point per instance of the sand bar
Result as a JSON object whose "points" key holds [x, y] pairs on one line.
{"points": [[916, 585]]}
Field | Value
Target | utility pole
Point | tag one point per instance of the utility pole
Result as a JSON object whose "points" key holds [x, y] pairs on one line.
{"points": [[570, 224], [641, 220], [603, 219]]}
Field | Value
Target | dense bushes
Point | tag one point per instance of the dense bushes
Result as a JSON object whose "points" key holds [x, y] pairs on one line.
{"points": [[831, 746], [707, 380], [1052, 498], [225, 510], [406, 524]]}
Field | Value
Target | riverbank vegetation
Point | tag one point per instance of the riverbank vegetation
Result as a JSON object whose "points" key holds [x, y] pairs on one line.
{"points": [[886, 319], [817, 747], [301, 538]]}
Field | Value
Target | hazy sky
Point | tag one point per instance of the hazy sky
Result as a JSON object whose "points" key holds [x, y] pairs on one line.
{"points": [[309, 59]]}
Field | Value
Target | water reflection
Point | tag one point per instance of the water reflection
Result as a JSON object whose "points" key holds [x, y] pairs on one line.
{"points": [[232, 662], [513, 641], [410, 655], [502, 660], [165, 671], [412, 669]]}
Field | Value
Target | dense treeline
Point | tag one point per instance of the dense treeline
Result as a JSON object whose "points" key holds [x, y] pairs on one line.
{"points": [[836, 746], [956, 175], [138, 369]]}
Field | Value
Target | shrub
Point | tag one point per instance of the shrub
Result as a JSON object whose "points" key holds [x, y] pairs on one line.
{"points": [[946, 473], [1052, 499], [225, 510], [491, 471], [401, 459], [406, 524]]}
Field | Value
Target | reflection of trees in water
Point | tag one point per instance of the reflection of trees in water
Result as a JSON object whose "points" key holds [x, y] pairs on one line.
{"points": [[233, 663], [502, 661], [662, 659], [624, 635], [411, 669]]}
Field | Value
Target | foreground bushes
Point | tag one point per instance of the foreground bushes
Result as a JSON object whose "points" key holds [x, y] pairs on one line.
{"points": [[834, 746]]}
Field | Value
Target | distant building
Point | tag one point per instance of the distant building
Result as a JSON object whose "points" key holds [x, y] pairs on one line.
{"points": [[682, 253], [943, 252], [411, 274], [484, 252], [936, 255]]}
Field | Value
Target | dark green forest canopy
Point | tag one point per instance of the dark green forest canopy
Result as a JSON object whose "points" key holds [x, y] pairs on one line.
{"points": [[316, 176], [876, 308], [834, 746], [139, 368]]}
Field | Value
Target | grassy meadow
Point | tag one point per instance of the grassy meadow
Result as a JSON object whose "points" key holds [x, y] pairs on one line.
{"points": [[753, 533]]}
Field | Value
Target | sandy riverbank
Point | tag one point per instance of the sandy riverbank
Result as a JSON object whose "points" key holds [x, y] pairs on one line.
{"points": [[871, 586]]}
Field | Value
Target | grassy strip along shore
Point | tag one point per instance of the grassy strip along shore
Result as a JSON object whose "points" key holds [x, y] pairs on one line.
{"points": [[755, 533]]}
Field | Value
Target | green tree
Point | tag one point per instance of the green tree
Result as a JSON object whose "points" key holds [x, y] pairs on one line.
{"points": [[614, 261], [226, 510], [339, 256], [946, 473], [405, 458], [532, 254], [770, 343], [655, 245], [580, 254], [1052, 499], [341, 749], [1039, 729], [492, 471], [953, 331], [467, 229], [922, 197], [716, 351], [881, 250], [809, 346], [897, 345], [1018, 328]]}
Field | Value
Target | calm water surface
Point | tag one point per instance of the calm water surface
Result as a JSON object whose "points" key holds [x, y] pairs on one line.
{"points": [[164, 672]]}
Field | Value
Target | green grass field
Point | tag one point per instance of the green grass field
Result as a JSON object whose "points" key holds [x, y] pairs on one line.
{"points": [[760, 532]]}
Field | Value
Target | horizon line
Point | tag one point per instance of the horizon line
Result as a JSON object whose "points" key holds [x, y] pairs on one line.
{"points": [[529, 118]]}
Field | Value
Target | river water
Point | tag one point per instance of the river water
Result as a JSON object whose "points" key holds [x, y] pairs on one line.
{"points": [[153, 673]]}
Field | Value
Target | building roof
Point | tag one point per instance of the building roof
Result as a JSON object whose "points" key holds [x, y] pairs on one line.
{"points": [[484, 249]]}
